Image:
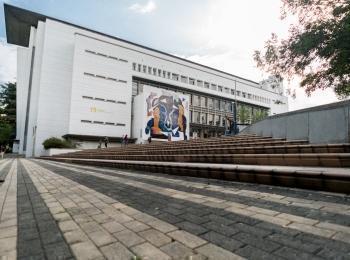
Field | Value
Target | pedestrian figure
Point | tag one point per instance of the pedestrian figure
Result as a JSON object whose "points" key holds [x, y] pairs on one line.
{"points": [[122, 141], [126, 140], [149, 139], [2, 151], [106, 141]]}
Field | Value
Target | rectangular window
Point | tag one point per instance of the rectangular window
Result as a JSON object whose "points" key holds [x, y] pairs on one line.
{"points": [[222, 105], [168, 74], [159, 72], [183, 79], [210, 119], [87, 97], [109, 123], [244, 94], [206, 85], [227, 90], [232, 92], [210, 103], [121, 102], [111, 100], [164, 73], [196, 117], [175, 76], [144, 68], [154, 71], [133, 66], [149, 70], [199, 83], [99, 99], [203, 102], [238, 93], [120, 124], [85, 121], [139, 67], [220, 89], [204, 118], [195, 100], [191, 81], [98, 122], [216, 104], [217, 120]]}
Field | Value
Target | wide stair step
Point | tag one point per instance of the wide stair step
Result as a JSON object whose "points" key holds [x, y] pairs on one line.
{"points": [[319, 178]]}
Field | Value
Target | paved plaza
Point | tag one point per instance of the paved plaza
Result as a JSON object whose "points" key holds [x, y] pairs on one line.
{"points": [[51, 210]]}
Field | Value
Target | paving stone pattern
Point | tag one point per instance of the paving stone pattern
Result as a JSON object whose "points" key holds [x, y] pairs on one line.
{"points": [[233, 219], [39, 236], [51, 210]]}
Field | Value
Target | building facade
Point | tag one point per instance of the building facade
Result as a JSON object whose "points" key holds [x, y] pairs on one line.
{"points": [[80, 84]]}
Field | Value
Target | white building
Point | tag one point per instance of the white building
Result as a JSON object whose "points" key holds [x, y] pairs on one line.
{"points": [[79, 83]]}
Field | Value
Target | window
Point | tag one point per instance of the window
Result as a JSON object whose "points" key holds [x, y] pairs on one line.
{"points": [[144, 68], [217, 120], [228, 106], [204, 118], [210, 103], [155, 71], [149, 70], [191, 81], [196, 117], [222, 105], [121, 102], [85, 121], [216, 104], [195, 100], [199, 83], [183, 79], [168, 74], [226, 90], [139, 67], [232, 92], [206, 85], [159, 72], [220, 89], [164, 73], [244, 94], [238, 93], [210, 119], [120, 124], [175, 76], [203, 102], [87, 97], [213, 87]]}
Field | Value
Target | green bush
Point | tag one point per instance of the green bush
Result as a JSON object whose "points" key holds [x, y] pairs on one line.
{"points": [[54, 142]]}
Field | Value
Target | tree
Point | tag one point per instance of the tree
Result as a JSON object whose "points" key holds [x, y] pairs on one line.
{"points": [[8, 103], [243, 114], [7, 112], [317, 48], [258, 115]]}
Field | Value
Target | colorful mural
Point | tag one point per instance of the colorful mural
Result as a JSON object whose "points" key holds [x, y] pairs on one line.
{"points": [[166, 115]]}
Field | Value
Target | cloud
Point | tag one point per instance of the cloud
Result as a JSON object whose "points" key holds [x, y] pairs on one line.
{"points": [[8, 62], [149, 7]]}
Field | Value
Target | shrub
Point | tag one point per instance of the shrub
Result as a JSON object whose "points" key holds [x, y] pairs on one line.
{"points": [[54, 142]]}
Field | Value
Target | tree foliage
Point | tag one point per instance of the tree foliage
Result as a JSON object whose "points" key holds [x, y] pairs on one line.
{"points": [[7, 112], [317, 48]]}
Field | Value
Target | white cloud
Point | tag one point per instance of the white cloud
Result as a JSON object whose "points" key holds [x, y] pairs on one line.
{"points": [[149, 7], [8, 62], [229, 32]]}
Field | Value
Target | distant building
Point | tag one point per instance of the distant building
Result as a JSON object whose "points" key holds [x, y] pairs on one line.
{"points": [[79, 83]]}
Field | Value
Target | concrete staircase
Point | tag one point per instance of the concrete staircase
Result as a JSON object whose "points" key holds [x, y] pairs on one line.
{"points": [[248, 158]]}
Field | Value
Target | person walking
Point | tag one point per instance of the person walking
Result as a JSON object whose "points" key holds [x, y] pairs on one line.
{"points": [[126, 140], [106, 141], [2, 151]]}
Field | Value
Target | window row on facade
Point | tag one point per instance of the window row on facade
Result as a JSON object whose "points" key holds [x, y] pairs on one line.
{"points": [[106, 56], [104, 77], [195, 82], [102, 123], [104, 100]]}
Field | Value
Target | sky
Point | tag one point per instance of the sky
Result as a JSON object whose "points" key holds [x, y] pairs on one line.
{"points": [[218, 33]]}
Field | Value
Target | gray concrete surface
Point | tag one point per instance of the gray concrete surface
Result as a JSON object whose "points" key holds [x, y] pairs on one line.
{"points": [[322, 124]]}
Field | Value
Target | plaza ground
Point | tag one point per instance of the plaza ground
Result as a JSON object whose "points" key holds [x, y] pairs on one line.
{"points": [[52, 210]]}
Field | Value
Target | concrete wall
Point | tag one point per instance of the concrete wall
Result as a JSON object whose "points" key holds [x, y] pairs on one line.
{"points": [[322, 124]]}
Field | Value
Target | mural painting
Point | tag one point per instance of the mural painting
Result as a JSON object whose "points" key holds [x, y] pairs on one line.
{"points": [[166, 115]]}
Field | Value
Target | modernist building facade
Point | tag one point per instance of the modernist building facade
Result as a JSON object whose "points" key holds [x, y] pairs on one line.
{"points": [[79, 83]]}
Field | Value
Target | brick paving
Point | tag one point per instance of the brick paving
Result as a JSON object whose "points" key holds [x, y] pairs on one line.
{"points": [[52, 210]]}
